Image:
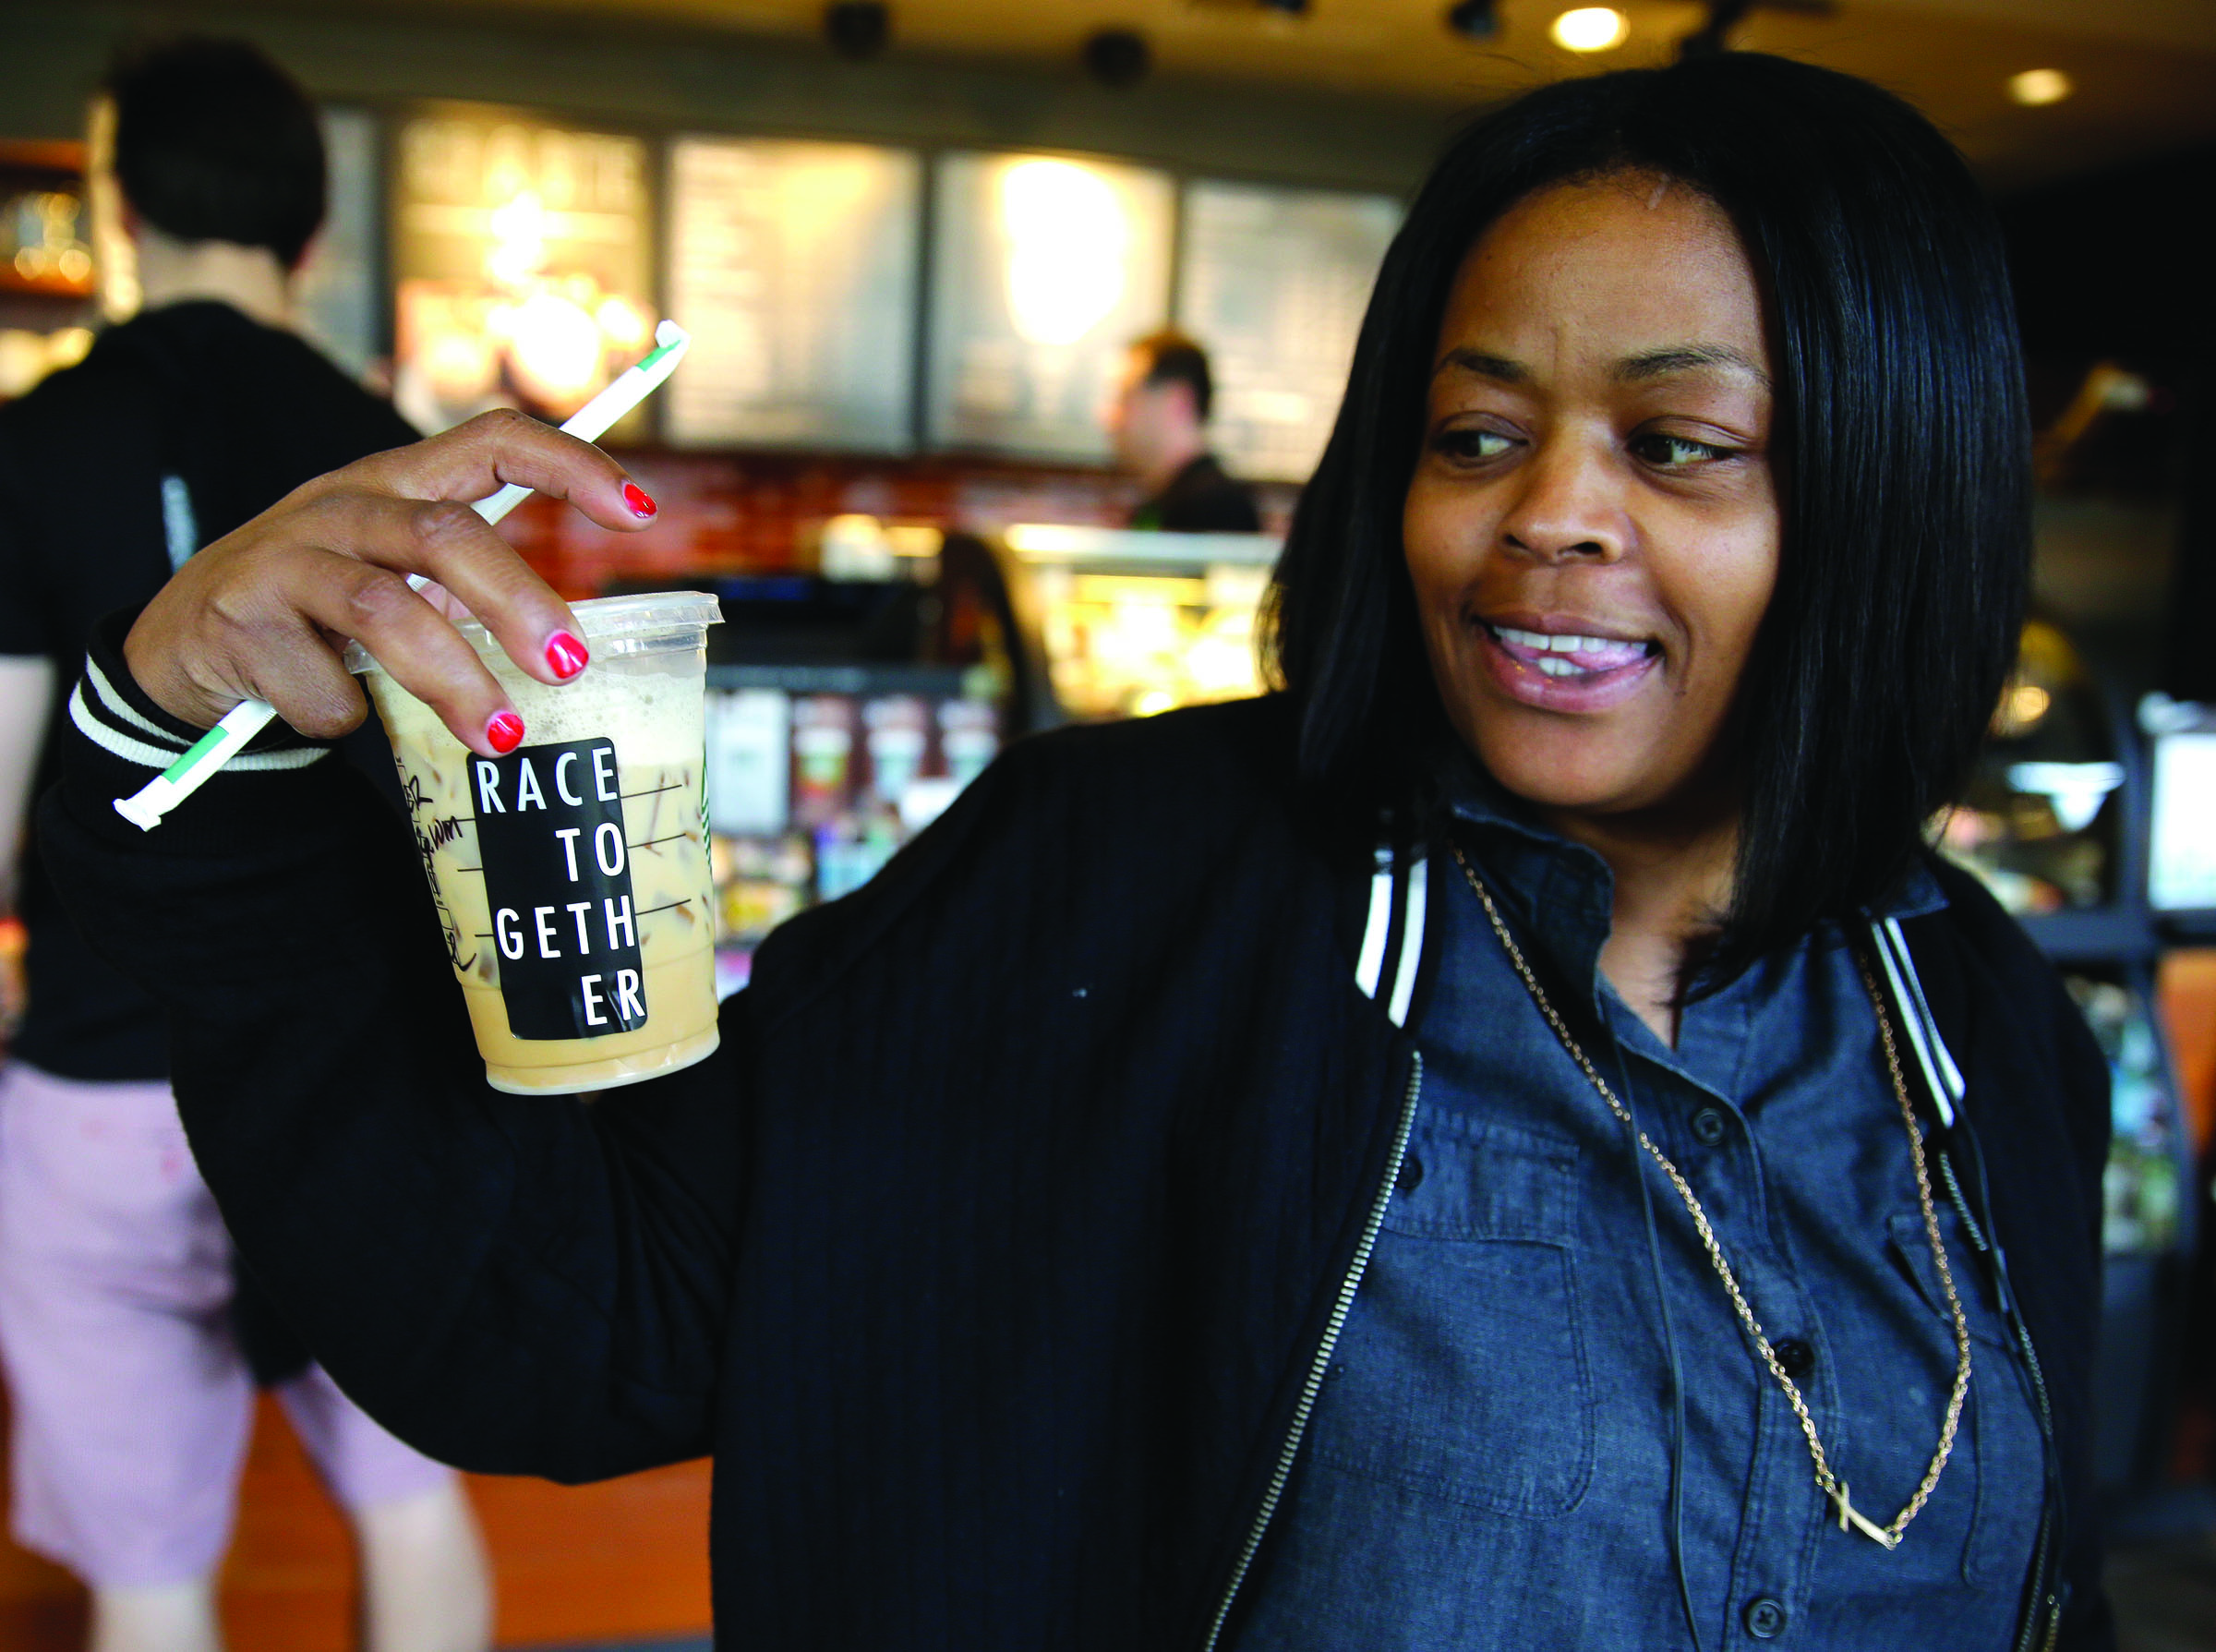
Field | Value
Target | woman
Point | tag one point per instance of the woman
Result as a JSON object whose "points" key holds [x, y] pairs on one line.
{"points": [[1465, 1152]]}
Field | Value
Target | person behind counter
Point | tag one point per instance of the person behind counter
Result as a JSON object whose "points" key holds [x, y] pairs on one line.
{"points": [[1466, 1151], [1158, 421], [131, 1349]]}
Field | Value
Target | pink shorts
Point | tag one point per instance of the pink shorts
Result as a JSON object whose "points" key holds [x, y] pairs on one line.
{"points": [[131, 1404]]}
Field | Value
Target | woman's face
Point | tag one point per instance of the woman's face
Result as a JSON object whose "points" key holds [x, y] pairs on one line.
{"points": [[1591, 529]]}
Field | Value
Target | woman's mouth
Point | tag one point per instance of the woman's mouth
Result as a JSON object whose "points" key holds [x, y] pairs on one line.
{"points": [[1567, 670]]}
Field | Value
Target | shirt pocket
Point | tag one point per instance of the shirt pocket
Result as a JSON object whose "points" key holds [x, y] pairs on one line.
{"points": [[1461, 1371], [2000, 1427]]}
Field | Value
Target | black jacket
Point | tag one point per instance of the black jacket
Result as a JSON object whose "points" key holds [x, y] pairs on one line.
{"points": [[990, 1255]]}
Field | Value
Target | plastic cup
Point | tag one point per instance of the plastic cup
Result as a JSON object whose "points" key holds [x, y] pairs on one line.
{"points": [[571, 876]]}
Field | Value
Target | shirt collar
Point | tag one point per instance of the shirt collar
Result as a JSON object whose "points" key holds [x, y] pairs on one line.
{"points": [[1571, 873], [1559, 893], [1918, 895]]}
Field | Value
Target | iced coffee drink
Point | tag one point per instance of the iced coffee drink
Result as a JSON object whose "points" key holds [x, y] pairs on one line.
{"points": [[570, 876]]}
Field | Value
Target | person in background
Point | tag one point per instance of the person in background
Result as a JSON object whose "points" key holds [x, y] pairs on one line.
{"points": [[130, 1349], [1157, 420]]}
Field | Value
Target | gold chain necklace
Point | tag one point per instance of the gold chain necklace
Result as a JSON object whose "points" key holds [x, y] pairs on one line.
{"points": [[1833, 1487]]}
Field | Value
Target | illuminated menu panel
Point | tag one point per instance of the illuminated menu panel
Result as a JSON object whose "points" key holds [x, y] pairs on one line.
{"points": [[336, 298], [793, 265], [1273, 282], [1043, 268], [520, 253]]}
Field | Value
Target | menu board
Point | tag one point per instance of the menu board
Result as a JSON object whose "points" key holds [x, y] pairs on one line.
{"points": [[793, 265], [1273, 282], [1042, 270], [521, 258], [336, 299]]}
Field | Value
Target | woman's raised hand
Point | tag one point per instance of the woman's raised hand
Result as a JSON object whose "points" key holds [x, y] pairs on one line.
{"points": [[264, 612]]}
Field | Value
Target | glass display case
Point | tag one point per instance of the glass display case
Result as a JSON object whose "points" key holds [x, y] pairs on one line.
{"points": [[837, 727], [816, 774], [1128, 624], [2056, 824], [845, 713], [2142, 1191], [2036, 825]]}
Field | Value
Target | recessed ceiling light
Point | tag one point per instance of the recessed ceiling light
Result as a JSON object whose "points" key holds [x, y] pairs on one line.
{"points": [[2034, 86], [1591, 28]]}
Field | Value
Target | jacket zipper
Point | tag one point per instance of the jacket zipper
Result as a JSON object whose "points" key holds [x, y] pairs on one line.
{"points": [[1340, 1307], [2050, 1606]]}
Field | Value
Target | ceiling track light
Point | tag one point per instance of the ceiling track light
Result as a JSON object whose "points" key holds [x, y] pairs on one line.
{"points": [[1117, 59], [1713, 38], [858, 29], [1270, 8], [1474, 20]]}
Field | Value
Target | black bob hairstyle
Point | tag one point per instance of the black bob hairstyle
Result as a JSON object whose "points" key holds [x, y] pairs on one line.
{"points": [[214, 142], [1899, 433]]}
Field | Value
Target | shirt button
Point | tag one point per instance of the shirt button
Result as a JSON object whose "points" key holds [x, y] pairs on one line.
{"points": [[1411, 1177], [1796, 1357], [1708, 1127], [1764, 1619]]}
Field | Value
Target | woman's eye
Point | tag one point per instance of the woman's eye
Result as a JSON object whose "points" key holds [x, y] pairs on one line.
{"points": [[1472, 447], [1678, 453]]}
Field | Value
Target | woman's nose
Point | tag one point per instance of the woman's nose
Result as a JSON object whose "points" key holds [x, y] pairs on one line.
{"points": [[1571, 507]]}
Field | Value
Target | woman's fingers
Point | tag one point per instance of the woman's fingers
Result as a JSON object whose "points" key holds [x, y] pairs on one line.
{"points": [[198, 659], [253, 615], [257, 618], [451, 544], [416, 644], [274, 642], [502, 448]]}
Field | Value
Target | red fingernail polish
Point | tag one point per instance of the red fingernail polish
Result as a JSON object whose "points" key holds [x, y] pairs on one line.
{"points": [[566, 655], [635, 497], [503, 732]]}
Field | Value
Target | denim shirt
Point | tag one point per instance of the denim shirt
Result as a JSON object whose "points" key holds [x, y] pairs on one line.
{"points": [[1488, 1464]]}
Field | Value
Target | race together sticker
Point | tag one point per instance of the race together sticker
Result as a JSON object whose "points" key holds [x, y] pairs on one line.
{"points": [[557, 879]]}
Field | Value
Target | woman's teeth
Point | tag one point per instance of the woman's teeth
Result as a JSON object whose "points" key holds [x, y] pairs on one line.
{"points": [[1568, 655]]}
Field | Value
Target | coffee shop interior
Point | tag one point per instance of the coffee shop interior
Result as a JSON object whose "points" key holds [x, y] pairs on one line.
{"points": [[912, 242]]}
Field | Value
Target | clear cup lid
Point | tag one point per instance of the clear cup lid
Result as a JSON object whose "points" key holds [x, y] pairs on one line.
{"points": [[627, 622]]}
